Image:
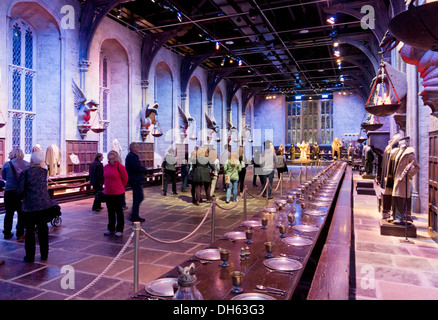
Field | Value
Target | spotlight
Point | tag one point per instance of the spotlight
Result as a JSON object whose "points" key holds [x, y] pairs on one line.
{"points": [[298, 97], [223, 62], [337, 53], [240, 62], [119, 14], [217, 45], [335, 44], [331, 20], [231, 60], [178, 15]]}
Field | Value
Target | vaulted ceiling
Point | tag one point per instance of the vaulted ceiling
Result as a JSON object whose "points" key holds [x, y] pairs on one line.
{"points": [[268, 46]]}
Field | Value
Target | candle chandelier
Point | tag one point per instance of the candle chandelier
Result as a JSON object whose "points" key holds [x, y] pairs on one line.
{"points": [[383, 100]]}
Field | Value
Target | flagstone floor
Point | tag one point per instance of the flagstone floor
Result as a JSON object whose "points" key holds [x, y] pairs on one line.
{"points": [[79, 242], [384, 268]]}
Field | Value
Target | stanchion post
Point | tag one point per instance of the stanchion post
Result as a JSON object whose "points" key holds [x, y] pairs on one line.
{"points": [[213, 215], [267, 191], [244, 203], [137, 229]]}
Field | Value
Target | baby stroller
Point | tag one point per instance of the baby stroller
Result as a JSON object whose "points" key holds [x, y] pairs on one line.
{"points": [[54, 214]]}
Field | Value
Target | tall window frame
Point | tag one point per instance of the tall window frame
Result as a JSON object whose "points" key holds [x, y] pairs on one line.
{"points": [[22, 71], [104, 89], [310, 121]]}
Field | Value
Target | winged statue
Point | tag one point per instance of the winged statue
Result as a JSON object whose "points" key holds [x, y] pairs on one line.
{"points": [[211, 123], [185, 120], [147, 117], [230, 126], [84, 106]]}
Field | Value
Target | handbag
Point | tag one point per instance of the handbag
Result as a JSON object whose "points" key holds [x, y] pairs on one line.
{"points": [[228, 177]]}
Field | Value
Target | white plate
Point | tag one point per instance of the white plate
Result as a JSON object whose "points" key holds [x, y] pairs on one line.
{"points": [[305, 228], [283, 264], [316, 213], [251, 223], [235, 235], [253, 296], [208, 254], [161, 287], [297, 241]]}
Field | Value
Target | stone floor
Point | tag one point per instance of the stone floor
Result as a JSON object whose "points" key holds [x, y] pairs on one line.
{"points": [[387, 268], [79, 242]]}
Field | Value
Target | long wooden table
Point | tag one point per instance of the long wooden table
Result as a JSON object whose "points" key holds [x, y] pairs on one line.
{"points": [[214, 281]]}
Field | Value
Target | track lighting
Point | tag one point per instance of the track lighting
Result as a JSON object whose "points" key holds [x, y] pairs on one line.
{"points": [[331, 20]]}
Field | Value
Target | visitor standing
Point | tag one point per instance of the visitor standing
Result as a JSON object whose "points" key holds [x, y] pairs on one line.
{"points": [[11, 173], [96, 180], [184, 174], [232, 168], [268, 165], [115, 179], [201, 175], [136, 173], [169, 171], [32, 188], [214, 161]]}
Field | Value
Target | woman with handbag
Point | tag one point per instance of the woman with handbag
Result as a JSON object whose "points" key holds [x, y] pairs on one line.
{"points": [[115, 179], [32, 188], [231, 171], [201, 175]]}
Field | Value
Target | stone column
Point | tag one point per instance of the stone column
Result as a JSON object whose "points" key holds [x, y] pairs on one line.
{"points": [[83, 68], [413, 129]]}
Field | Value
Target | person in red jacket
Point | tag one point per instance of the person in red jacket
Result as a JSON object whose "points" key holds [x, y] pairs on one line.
{"points": [[115, 179]]}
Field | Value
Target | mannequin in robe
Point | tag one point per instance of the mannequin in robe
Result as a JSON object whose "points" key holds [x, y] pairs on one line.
{"points": [[53, 159], [115, 145], [303, 148], [386, 161], [336, 148], [292, 152], [369, 159], [401, 193], [350, 153], [315, 151]]}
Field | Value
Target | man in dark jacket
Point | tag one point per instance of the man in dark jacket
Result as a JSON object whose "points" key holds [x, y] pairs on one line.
{"points": [[96, 180], [136, 174]]}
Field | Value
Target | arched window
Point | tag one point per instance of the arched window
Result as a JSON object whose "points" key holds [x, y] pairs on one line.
{"points": [[21, 89], [104, 92]]}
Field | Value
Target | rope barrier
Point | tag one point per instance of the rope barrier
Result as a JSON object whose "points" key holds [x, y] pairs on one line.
{"points": [[122, 251], [73, 186], [182, 239], [261, 193], [238, 200]]}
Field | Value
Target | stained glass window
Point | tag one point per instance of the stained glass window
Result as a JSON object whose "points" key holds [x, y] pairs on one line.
{"points": [[21, 90], [104, 88], [316, 118]]}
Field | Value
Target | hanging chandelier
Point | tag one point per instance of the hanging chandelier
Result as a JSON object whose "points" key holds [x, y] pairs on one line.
{"points": [[383, 100], [371, 123]]}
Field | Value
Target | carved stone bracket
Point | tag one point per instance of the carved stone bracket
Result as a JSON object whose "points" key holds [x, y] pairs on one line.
{"points": [[430, 98]]}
